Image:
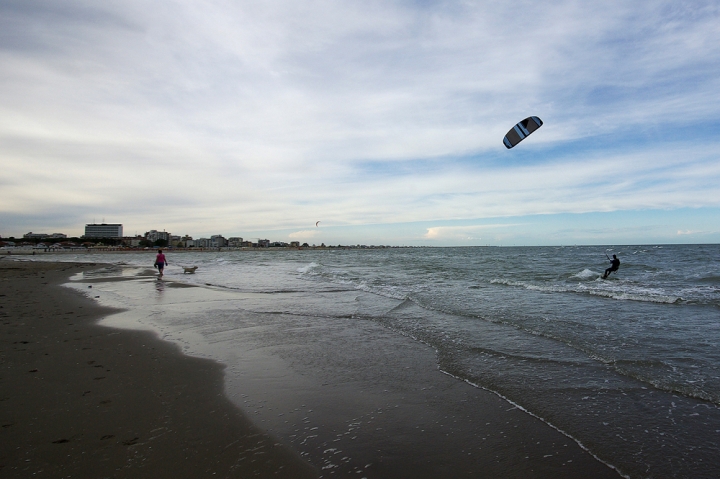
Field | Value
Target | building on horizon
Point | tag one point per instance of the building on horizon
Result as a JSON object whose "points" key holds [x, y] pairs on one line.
{"points": [[215, 241], [218, 241], [155, 235], [132, 241], [202, 243], [103, 230], [187, 241], [32, 235], [235, 242]]}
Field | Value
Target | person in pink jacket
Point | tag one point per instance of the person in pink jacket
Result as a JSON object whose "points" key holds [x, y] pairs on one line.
{"points": [[160, 261]]}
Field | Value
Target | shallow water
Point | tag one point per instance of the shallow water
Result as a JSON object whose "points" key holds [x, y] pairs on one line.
{"points": [[629, 366]]}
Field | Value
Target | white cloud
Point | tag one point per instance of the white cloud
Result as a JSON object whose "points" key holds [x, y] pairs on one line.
{"points": [[462, 233], [230, 117], [303, 235]]}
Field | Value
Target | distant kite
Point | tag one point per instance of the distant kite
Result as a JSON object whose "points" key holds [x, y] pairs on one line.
{"points": [[521, 130], [316, 224]]}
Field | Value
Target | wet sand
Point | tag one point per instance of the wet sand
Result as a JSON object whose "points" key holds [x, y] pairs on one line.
{"points": [[349, 397], [86, 401]]}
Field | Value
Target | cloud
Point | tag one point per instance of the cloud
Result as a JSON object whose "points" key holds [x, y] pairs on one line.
{"points": [[465, 233], [302, 235], [231, 117]]}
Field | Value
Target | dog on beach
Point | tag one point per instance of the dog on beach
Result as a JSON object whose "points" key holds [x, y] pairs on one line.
{"points": [[189, 269]]}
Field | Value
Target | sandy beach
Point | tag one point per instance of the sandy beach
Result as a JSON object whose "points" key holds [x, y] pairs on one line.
{"points": [[82, 400], [289, 398]]}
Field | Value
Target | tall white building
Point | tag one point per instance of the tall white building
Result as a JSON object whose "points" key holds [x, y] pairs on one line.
{"points": [[103, 231]]}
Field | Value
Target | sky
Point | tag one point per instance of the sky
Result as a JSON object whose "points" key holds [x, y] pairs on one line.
{"points": [[383, 120]]}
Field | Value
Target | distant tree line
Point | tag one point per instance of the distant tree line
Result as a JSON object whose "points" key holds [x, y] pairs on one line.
{"points": [[74, 239]]}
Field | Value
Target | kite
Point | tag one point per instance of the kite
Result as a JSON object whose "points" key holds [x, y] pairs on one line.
{"points": [[518, 132], [316, 224]]}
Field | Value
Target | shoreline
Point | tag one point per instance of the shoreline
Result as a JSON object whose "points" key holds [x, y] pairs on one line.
{"points": [[49, 251], [83, 400], [369, 395]]}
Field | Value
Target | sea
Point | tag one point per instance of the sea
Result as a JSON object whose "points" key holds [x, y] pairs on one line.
{"points": [[628, 367]]}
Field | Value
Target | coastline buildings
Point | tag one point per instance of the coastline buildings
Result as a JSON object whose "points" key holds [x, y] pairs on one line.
{"points": [[215, 241], [133, 241], [151, 239], [187, 241], [106, 235], [218, 241], [103, 230], [235, 242], [155, 235], [32, 235]]}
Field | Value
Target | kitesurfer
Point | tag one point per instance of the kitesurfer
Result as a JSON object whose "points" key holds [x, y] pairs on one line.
{"points": [[614, 265]]}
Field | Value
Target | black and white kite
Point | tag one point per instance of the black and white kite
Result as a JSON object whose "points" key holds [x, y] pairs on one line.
{"points": [[520, 131]]}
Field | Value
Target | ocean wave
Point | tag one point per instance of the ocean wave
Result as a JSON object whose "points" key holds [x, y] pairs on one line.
{"points": [[342, 278], [308, 268], [386, 291], [605, 293], [637, 297], [646, 371], [712, 279], [533, 287], [586, 274]]}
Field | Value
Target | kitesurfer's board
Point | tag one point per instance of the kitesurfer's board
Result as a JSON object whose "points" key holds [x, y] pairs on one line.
{"points": [[520, 131]]}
